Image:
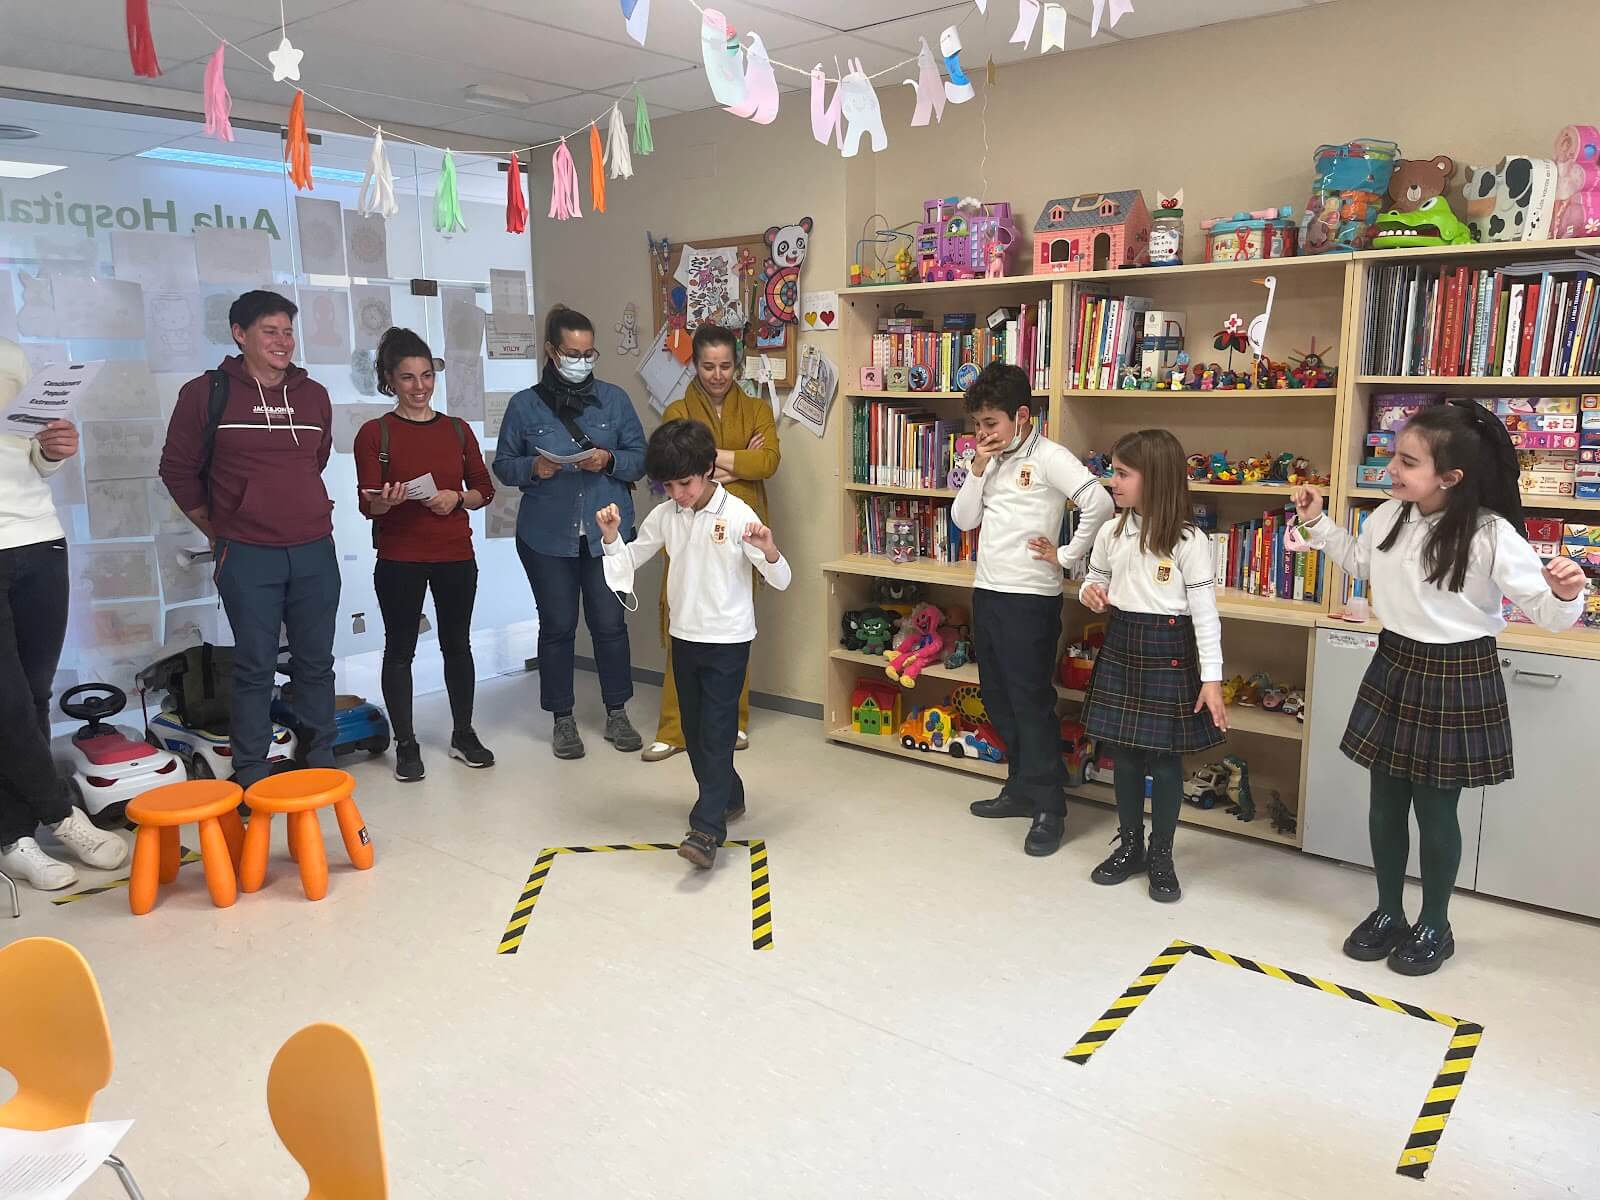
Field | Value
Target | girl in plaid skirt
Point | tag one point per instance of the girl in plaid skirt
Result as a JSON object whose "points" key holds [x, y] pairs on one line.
{"points": [[1430, 717], [1156, 691]]}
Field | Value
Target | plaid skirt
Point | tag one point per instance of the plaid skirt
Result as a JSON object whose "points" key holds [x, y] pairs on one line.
{"points": [[1145, 684], [1433, 714]]}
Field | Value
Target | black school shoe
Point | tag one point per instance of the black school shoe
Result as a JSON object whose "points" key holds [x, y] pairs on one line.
{"points": [[1044, 838], [464, 744], [1126, 861], [1375, 937], [1002, 805], [408, 761], [1423, 950], [1163, 876], [699, 849]]}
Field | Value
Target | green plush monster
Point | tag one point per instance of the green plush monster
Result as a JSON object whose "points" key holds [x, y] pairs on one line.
{"points": [[876, 631], [1434, 224]]}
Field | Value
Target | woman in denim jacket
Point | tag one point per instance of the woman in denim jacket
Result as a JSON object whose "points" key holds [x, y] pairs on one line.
{"points": [[570, 412]]}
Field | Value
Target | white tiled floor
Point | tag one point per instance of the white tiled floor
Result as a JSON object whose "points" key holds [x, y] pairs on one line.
{"points": [[902, 1039]]}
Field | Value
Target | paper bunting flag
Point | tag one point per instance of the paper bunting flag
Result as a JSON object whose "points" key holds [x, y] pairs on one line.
{"points": [[285, 61], [857, 99], [141, 45], [958, 88], [760, 102], [719, 49], [297, 150], [637, 14], [1117, 8], [929, 87], [1055, 29], [597, 171], [219, 105], [617, 153], [564, 204], [826, 118], [377, 186], [516, 202], [1027, 18], [447, 218], [983, 6], [643, 142]]}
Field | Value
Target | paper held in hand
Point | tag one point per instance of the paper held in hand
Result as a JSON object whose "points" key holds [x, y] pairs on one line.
{"points": [[420, 488], [52, 395], [564, 459]]}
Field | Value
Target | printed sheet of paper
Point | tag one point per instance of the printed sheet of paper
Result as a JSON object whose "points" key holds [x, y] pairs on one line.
{"points": [[367, 245], [500, 516], [349, 418], [133, 628], [183, 577], [119, 508], [464, 322], [37, 316], [374, 313], [321, 227], [508, 293], [187, 626], [8, 308], [165, 515], [54, 1164], [66, 483], [463, 386], [216, 326], [123, 572], [44, 354], [99, 308], [159, 262], [421, 488], [712, 288], [813, 392], [173, 331], [51, 395], [124, 389], [239, 257], [512, 336], [325, 324], [494, 411], [557, 456], [819, 311], [121, 449]]}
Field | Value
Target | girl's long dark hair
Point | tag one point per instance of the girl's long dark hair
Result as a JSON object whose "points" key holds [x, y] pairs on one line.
{"points": [[1164, 489], [395, 345], [1464, 436]]}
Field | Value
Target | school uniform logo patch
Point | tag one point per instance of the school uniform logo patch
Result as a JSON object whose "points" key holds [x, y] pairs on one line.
{"points": [[719, 531], [1025, 476], [1164, 571]]}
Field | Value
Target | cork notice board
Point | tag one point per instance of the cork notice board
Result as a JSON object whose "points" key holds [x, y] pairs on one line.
{"points": [[662, 305]]}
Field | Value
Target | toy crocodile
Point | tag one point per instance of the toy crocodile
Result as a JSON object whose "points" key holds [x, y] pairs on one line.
{"points": [[1434, 224]]}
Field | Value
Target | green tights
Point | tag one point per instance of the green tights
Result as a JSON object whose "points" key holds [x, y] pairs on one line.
{"points": [[1166, 789], [1439, 828]]}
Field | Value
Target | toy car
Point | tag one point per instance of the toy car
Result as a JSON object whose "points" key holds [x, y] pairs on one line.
{"points": [[209, 755], [359, 725], [983, 743], [931, 730], [107, 765]]}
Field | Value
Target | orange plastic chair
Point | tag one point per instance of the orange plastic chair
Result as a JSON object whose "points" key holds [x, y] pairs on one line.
{"points": [[213, 804], [299, 794], [324, 1104], [54, 1039]]}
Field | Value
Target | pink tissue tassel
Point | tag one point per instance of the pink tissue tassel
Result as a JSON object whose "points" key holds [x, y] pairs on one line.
{"points": [[218, 103], [564, 204]]}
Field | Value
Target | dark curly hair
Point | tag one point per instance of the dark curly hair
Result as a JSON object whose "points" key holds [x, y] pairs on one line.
{"points": [[678, 450], [1000, 386], [395, 345]]}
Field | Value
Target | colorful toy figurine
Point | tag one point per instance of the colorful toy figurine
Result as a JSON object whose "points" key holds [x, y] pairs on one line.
{"points": [[1310, 371], [959, 240], [1254, 470], [1130, 379], [922, 647], [1223, 471], [1198, 468], [1280, 468], [1431, 225], [1097, 231], [1099, 464], [1180, 370], [1347, 194]]}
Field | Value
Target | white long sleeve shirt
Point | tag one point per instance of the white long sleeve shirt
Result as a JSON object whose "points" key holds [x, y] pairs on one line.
{"points": [[27, 509], [709, 586], [1024, 495], [1501, 564], [1180, 584]]}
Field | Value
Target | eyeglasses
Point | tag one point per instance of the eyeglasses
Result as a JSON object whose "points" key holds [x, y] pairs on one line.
{"points": [[588, 356]]}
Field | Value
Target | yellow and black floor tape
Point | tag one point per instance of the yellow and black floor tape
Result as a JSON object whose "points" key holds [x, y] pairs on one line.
{"points": [[1429, 1126], [760, 889], [189, 856]]}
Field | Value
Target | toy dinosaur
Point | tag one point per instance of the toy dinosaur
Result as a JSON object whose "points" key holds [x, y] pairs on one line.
{"points": [[1434, 224], [922, 646], [1223, 471]]}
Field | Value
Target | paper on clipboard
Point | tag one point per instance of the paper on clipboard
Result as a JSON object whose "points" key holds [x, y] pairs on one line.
{"points": [[52, 395], [665, 378]]}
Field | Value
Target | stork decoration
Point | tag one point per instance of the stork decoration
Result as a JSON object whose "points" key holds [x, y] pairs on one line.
{"points": [[1257, 332]]}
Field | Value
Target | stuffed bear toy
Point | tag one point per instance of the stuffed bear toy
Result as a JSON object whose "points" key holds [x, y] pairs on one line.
{"points": [[1416, 181]]}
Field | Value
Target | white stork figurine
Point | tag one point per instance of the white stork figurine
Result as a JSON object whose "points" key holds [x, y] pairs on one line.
{"points": [[1257, 332]]}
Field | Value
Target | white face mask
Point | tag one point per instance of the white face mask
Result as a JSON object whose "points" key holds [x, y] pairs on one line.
{"points": [[1016, 441], [574, 369]]}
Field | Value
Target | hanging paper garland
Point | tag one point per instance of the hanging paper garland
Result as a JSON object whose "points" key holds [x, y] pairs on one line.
{"points": [[516, 202], [141, 44], [219, 105], [958, 88], [297, 150], [597, 171], [637, 15], [643, 142], [928, 86], [760, 103], [564, 204], [447, 217], [617, 152], [285, 61], [377, 186], [1118, 8]]}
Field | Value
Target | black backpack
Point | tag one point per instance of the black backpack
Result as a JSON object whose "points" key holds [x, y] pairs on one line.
{"points": [[208, 439], [200, 682], [383, 456]]}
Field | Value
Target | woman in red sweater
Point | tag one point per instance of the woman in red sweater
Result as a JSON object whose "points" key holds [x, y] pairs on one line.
{"points": [[422, 543]]}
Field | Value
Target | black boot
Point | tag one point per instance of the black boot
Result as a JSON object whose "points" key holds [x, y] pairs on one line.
{"points": [[1375, 937], [1003, 805], [1126, 860], [1045, 836], [1423, 950], [1163, 876]]}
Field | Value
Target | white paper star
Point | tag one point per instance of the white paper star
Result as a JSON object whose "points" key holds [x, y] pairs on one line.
{"points": [[285, 61]]}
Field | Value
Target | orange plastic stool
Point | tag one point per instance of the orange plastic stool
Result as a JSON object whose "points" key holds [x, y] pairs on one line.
{"points": [[299, 794], [213, 804]]}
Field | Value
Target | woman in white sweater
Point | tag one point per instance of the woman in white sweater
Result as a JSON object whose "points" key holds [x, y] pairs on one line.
{"points": [[33, 624]]}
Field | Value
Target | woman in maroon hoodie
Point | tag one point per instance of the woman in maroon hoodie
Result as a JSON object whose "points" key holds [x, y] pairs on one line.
{"points": [[422, 544]]}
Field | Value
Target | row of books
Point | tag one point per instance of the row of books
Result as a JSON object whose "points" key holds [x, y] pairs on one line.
{"points": [[1107, 335], [896, 443], [1019, 336], [1252, 558], [1525, 319], [938, 539]]}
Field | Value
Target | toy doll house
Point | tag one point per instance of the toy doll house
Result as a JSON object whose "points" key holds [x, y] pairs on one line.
{"points": [[875, 708], [953, 244], [1096, 231]]}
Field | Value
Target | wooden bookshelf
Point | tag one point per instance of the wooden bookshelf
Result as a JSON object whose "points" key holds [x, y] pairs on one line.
{"points": [[1191, 393], [877, 489], [1039, 393], [1551, 503], [1484, 383]]}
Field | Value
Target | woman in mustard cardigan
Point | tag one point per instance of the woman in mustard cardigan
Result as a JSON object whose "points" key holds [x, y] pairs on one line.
{"points": [[747, 455]]}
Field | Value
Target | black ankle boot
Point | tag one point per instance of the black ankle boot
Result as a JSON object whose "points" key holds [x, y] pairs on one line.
{"points": [[1163, 876], [1126, 860], [1044, 838]]}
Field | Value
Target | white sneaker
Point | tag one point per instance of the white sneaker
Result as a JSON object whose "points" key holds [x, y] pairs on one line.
{"points": [[25, 861], [742, 742], [92, 847]]}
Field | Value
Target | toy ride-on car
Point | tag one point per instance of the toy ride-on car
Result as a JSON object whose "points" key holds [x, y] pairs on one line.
{"points": [[209, 753], [359, 726], [108, 765]]}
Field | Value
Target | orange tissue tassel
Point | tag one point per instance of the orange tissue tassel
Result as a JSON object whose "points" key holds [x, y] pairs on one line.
{"points": [[297, 150]]}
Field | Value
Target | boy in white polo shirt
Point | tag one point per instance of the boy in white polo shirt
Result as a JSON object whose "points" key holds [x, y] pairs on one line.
{"points": [[1017, 490], [712, 538]]}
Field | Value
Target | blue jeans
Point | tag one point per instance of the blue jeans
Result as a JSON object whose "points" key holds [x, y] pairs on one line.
{"points": [[710, 677], [558, 583], [264, 589]]}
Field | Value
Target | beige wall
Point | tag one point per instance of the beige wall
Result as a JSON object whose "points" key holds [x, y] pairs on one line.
{"points": [[1231, 114]]}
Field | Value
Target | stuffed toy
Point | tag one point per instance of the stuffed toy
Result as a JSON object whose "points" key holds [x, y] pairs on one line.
{"points": [[957, 635], [922, 645], [866, 629]]}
